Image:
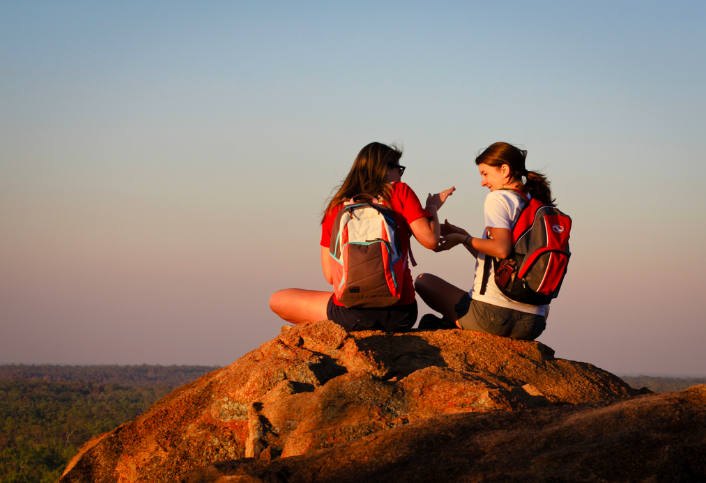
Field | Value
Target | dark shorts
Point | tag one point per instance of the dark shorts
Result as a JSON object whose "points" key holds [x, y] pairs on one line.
{"points": [[397, 318], [491, 319]]}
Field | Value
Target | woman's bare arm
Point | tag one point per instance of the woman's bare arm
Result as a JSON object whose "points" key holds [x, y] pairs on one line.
{"points": [[427, 231], [326, 264], [499, 245]]}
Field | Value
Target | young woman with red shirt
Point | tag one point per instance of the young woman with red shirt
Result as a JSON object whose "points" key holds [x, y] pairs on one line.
{"points": [[376, 172]]}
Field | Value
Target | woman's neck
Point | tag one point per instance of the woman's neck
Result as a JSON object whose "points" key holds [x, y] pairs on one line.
{"points": [[515, 185]]}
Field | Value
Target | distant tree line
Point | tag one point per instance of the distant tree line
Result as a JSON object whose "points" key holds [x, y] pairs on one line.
{"points": [[143, 375], [663, 384], [47, 412]]}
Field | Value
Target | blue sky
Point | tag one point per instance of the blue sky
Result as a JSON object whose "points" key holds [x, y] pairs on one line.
{"points": [[163, 165]]}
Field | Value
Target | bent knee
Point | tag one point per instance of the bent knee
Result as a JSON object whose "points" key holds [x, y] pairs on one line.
{"points": [[276, 300], [419, 278], [424, 280]]}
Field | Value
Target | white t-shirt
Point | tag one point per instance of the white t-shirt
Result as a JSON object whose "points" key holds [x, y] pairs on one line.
{"points": [[501, 209]]}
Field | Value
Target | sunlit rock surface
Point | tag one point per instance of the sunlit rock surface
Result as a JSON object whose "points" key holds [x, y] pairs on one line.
{"points": [[650, 438], [316, 386]]}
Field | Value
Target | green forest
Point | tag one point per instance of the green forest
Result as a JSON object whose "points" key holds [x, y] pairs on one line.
{"points": [[48, 411]]}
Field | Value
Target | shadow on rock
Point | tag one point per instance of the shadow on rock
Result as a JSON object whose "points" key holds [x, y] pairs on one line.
{"points": [[658, 437], [316, 386]]}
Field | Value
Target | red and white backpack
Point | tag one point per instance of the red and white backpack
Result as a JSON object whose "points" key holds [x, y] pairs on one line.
{"points": [[367, 263], [535, 270]]}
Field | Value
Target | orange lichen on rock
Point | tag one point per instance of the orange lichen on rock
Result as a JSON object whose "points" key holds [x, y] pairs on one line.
{"points": [[317, 386], [647, 438]]}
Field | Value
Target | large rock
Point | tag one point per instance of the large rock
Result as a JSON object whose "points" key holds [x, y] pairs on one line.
{"points": [[317, 386], [653, 438]]}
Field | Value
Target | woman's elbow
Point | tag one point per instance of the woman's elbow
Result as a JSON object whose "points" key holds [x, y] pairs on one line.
{"points": [[430, 242], [504, 252]]}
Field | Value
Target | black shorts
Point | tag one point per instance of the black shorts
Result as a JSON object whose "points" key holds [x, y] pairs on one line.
{"points": [[396, 318]]}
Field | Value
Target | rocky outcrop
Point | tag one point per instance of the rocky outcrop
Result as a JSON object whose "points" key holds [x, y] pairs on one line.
{"points": [[652, 438], [317, 386]]}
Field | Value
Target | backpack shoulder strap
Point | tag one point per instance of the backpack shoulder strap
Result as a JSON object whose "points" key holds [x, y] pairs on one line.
{"points": [[411, 257], [486, 274], [486, 271]]}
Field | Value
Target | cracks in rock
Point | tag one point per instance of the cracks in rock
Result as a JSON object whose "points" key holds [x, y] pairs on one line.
{"points": [[257, 444]]}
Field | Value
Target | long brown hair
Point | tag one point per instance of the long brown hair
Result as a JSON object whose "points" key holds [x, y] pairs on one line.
{"points": [[367, 175], [536, 184]]}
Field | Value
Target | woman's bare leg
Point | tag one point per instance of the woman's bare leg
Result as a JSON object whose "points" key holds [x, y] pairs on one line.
{"points": [[439, 294], [297, 305]]}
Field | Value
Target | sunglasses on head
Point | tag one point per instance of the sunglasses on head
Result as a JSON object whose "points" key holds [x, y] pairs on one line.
{"points": [[399, 166]]}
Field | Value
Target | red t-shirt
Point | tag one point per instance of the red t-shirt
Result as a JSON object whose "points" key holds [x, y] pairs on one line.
{"points": [[407, 208]]}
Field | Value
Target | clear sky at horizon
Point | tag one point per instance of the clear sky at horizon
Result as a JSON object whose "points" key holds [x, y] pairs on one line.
{"points": [[163, 165]]}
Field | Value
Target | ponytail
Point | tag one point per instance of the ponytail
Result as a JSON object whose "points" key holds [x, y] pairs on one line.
{"points": [[537, 185]]}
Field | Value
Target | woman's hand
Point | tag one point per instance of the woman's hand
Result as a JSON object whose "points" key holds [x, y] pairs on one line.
{"points": [[449, 241], [439, 199], [447, 229]]}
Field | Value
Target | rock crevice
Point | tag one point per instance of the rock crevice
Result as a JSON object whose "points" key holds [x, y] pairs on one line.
{"points": [[316, 386]]}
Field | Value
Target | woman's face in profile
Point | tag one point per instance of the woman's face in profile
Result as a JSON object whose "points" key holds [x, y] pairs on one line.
{"points": [[393, 174], [492, 177]]}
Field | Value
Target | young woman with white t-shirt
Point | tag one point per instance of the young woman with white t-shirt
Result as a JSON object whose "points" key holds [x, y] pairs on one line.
{"points": [[502, 170]]}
